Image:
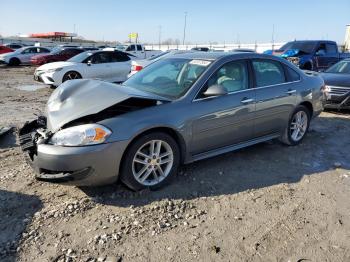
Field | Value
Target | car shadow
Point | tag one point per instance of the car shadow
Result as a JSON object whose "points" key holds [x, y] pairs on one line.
{"points": [[255, 167], [16, 212], [8, 140]]}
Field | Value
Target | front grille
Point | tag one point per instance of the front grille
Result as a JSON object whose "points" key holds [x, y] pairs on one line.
{"points": [[26, 141], [294, 60], [337, 90], [28, 135]]}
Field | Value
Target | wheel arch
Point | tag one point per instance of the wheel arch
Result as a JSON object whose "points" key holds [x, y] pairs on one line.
{"points": [[167, 130], [309, 106], [70, 71], [15, 58]]}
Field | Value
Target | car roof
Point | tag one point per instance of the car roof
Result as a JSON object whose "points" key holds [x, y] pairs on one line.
{"points": [[100, 51], [202, 55], [311, 41], [221, 55]]}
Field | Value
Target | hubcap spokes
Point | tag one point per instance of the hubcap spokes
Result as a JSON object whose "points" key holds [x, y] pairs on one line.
{"points": [[299, 125], [152, 162], [72, 76]]}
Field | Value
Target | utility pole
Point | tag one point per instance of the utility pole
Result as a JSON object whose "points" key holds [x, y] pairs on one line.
{"points": [[273, 37], [184, 37], [160, 34]]}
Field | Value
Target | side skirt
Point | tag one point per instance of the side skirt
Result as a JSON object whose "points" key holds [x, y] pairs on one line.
{"points": [[234, 147]]}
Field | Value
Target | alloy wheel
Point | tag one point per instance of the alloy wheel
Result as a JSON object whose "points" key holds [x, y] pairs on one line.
{"points": [[72, 75], [152, 162], [298, 126]]}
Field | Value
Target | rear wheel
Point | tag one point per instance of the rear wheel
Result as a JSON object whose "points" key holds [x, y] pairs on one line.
{"points": [[150, 162], [14, 61], [71, 75], [298, 126], [307, 66]]}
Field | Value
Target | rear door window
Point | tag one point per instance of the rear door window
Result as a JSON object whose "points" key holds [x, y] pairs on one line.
{"points": [[268, 72], [119, 57], [291, 74], [331, 49]]}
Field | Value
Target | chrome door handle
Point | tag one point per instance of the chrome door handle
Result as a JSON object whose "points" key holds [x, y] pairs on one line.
{"points": [[291, 92], [247, 100]]}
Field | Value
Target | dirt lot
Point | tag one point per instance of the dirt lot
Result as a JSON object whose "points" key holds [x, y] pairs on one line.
{"points": [[265, 203]]}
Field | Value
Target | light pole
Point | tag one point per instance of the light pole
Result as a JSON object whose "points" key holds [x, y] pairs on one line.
{"points": [[184, 37], [160, 34], [273, 37]]}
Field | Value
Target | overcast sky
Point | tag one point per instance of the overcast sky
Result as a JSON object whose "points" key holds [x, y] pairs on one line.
{"points": [[216, 21]]}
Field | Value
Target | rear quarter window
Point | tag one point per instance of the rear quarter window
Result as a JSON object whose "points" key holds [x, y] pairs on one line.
{"points": [[268, 72], [291, 74]]}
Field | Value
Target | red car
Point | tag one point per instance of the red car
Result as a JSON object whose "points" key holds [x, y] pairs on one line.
{"points": [[57, 54], [5, 49]]}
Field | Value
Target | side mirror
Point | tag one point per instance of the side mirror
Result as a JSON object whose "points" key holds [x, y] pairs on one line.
{"points": [[215, 90], [89, 63]]}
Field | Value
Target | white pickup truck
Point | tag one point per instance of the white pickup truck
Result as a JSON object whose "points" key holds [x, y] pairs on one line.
{"points": [[138, 50]]}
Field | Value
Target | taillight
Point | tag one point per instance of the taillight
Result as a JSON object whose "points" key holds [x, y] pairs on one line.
{"points": [[137, 68]]}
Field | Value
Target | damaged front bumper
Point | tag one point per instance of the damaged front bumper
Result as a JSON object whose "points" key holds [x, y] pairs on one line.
{"points": [[81, 166]]}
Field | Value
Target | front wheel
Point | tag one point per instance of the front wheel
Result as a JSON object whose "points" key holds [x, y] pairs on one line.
{"points": [[70, 76], [14, 61], [150, 162], [298, 126]]}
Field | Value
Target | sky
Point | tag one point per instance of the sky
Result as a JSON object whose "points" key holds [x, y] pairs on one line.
{"points": [[219, 21]]}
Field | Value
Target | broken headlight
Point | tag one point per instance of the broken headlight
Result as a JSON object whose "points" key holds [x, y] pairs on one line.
{"points": [[82, 135]]}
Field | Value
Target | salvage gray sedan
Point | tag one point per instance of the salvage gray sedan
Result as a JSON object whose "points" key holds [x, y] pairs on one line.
{"points": [[177, 110]]}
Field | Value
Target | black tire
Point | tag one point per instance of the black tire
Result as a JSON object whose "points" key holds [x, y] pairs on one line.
{"points": [[286, 138], [307, 66], [126, 170], [68, 76], [14, 61]]}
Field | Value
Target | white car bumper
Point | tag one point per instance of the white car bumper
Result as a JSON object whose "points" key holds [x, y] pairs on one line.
{"points": [[52, 78]]}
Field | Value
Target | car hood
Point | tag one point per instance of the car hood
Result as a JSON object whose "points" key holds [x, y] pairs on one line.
{"points": [[7, 55], [290, 53], [75, 99], [55, 65], [336, 79]]}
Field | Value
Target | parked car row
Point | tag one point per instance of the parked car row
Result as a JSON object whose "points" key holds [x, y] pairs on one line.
{"points": [[23, 55], [110, 66], [36, 55]]}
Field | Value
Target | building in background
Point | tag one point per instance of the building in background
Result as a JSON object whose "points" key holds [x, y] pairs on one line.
{"points": [[55, 36]]}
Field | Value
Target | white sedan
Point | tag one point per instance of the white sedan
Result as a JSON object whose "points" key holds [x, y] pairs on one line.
{"points": [[138, 65], [22, 55], [110, 66]]}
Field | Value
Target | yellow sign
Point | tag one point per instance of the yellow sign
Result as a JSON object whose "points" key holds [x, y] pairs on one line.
{"points": [[133, 35]]}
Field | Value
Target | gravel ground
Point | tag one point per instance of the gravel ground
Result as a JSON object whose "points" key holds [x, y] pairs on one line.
{"points": [[268, 202]]}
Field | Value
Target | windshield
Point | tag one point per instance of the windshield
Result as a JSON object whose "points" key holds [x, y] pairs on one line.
{"points": [[56, 50], [18, 51], [170, 78], [121, 47], [342, 67], [306, 47], [80, 57]]}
